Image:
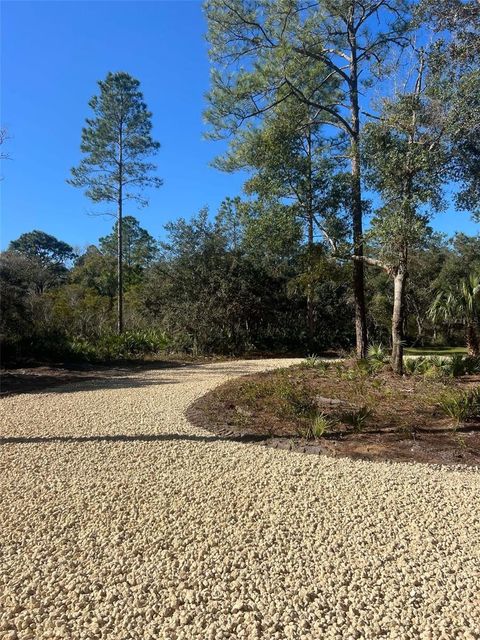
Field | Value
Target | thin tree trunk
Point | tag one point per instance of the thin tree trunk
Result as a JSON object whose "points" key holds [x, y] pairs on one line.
{"points": [[310, 311], [120, 232], [398, 315], [356, 204], [120, 266], [419, 339], [358, 266], [400, 275]]}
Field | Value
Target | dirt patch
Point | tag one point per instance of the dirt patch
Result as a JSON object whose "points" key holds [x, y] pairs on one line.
{"points": [[402, 418]]}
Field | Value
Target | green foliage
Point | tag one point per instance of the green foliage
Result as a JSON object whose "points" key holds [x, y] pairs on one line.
{"points": [[124, 346], [116, 143], [366, 367], [471, 365], [15, 319], [213, 294], [433, 367], [456, 365], [317, 427], [297, 400], [288, 161], [412, 365], [452, 366], [47, 249], [404, 162], [465, 133], [96, 271], [293, 43], [140, 249], [461, 19], [454, 64], [57, 346], [460, 305], [461, 406], [311, 360], [377, 353], [357, 418], [47, 258]]}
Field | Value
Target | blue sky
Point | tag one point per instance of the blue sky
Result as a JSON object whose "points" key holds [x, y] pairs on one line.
{"points": [[52, 55]]}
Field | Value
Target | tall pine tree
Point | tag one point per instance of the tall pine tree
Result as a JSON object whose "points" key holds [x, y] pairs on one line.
{"points": [[117, 143]]}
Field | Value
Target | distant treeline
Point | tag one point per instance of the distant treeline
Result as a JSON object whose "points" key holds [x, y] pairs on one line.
{"points": [[240, 283]]}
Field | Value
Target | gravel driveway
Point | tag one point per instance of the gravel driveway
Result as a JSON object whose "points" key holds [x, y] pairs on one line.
{"points": [[119, 520]]}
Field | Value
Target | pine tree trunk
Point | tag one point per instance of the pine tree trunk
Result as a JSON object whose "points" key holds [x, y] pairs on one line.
{"points": [[356, 206], [310, 214], [120, 238], [119, 269], [310, 311], [358, 266], [397, 320]]}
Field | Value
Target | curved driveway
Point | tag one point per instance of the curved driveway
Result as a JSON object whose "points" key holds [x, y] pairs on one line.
{"points": [[120, 521]]}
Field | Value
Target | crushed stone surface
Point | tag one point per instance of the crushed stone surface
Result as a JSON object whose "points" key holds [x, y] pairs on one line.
{"points": [[119, 520]]}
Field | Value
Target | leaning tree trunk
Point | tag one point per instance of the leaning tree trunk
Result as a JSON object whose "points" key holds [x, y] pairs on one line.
{"points": [[472, 340], [398, 316]]}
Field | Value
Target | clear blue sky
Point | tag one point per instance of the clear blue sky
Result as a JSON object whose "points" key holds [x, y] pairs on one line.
{"points": [[52, 55]]}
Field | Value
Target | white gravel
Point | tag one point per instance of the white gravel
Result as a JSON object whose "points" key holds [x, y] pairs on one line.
{"points": [[168, 532]]}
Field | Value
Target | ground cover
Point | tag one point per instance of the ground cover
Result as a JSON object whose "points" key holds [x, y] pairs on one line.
{"points": [[354, 410]]}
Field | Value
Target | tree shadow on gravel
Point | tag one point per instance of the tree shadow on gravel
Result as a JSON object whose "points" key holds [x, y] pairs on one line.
{"points": [[121, 375], [65, 379], [136, 437]]}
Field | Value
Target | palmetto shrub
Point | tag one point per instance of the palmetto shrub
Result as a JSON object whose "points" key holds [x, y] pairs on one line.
{"points": [[461, 406], [112, 346]]}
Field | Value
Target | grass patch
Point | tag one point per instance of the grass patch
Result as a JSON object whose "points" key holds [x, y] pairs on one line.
{"points": [[434, 351]]}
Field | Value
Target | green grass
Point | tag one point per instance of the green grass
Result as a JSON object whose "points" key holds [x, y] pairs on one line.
{"points": [[434, 351]]}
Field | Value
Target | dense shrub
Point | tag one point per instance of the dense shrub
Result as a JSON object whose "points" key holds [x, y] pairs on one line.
{"points": [[438, 366], [59, 347], [112, 346]]}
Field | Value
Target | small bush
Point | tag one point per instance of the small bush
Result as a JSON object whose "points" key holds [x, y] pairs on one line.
{"points": [[377, 353], [461, 406], [311, 361], [357, 418], [456, 366], [318, 426], [434, 367], [51, 346], [315, 362], [297, 401], [471, 365], [58, 347], [412, 365], [360, 370]]}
